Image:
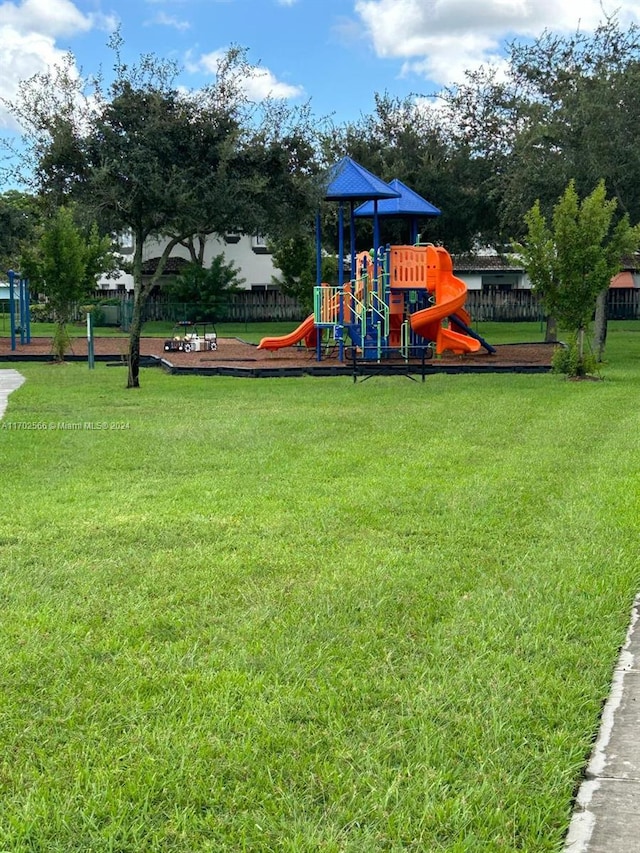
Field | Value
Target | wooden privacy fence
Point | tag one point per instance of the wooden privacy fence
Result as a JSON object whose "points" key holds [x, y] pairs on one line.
{"points": [[520, 305], [246, 306], [511, 306], [268, 305], [251, 305], [623, 304]]}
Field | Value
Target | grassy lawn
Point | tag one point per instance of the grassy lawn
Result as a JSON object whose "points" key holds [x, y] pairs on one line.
{"points": [[308, 615]]}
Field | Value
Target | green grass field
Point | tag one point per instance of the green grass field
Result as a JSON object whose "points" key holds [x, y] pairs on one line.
{"points": [[307, 614]]}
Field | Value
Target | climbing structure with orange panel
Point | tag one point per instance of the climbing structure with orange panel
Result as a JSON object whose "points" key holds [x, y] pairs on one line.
{"points": [[445, 322], [333, 307]]}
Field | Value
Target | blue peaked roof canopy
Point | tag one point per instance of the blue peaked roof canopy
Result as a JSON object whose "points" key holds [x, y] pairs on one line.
{"points": [[406, 203], [349, 181]]}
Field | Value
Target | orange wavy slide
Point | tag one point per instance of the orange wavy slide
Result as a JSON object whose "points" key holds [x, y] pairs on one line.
{"points": [[451, 294], [306, 329]]}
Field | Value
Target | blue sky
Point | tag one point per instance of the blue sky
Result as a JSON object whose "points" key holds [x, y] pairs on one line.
{"points": [[335, 53]]}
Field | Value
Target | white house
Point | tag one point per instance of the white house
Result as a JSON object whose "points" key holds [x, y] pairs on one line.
{"points": [[490, 273], [498, 274], [249, 254]]}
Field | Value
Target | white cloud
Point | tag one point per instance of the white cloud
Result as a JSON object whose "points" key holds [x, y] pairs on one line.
{"points": [[28, 34], [440, 39], [52, 18], [258, 84], [263, 84], [164, 20]]}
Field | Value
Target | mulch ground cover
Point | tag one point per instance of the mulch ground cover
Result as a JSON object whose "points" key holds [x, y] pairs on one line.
{"points": [[240, 356]]}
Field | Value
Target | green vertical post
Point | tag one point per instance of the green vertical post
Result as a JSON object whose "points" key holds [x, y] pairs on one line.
{"points": [[90, 355]]}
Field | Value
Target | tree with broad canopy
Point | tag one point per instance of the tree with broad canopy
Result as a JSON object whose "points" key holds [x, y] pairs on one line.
{"points": [[146, 157]]}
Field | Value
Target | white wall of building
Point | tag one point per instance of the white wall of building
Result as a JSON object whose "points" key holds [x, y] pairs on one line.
{"points": [[248, 254], [472, 280], [476, 280]]}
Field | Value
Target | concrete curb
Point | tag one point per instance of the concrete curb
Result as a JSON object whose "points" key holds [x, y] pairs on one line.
{"points": [[10, 380], [606, 816]]}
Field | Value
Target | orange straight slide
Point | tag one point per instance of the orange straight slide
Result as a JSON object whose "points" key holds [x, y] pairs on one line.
{"points": [[306, 330]]}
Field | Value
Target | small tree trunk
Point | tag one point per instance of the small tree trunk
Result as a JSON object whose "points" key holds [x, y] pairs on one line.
{"points": [[133, 378], [61, 340], [202, 242], [140, 295], [600, 326], [581, 370], [551, 331]]}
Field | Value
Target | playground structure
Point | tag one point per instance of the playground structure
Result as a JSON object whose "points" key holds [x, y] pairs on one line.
{"points": [[401, 301]]}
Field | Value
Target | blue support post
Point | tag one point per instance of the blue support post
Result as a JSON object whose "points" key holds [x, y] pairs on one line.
{"points": [[414, 231], [376, 239], [340, 245], [352, 235], [21, 292], [318, 250], [340, 317], [12, 308], [341, 325], [318, 280]]}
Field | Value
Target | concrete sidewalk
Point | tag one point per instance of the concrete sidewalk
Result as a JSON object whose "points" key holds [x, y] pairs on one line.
{"points": [[9, 381], [606, 818]]}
